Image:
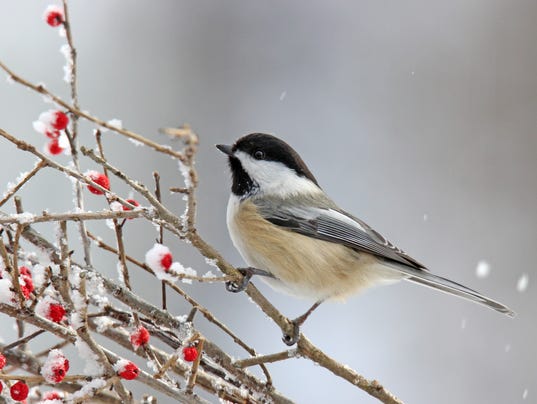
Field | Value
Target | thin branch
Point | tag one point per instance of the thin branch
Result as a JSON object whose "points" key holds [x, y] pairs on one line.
{"points": [[41, 379], [72, 134], [23, 340], [257, 360], [195, 366], [372, 387], [101, 244], [127, 133], [156, 177], [23, 181], [26, 218], [82, 331], [15, 273], [30, 363]]}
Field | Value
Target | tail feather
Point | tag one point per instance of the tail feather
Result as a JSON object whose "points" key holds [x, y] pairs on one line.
{"points": [[445, 285]]}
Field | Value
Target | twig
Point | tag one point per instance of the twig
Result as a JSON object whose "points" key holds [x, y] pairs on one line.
{"points": [[51, 163], [72, 134], [93, 392], [10, 269], [23, 340], [15, 267], [195, 366], [220, 387], [23, 181], [156, 177], [101, 244], [82, 331], [25, 218], [129, 134], [257, 360], [372, 387], [30, 363], [41, 379], [159, 385]]}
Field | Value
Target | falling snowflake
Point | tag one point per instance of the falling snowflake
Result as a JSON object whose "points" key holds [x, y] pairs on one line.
{"points": [[483, 269], [522, 283]]}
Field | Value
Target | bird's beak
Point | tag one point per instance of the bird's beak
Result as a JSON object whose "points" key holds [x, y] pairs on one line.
{"points": [[224, 148]]}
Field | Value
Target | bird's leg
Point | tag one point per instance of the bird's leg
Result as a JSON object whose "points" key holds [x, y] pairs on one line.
{"points": [[247, 273], [297, 322]]}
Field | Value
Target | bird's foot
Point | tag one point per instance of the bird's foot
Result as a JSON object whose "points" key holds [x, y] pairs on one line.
{"points": [[247, 273], [292, 338]]}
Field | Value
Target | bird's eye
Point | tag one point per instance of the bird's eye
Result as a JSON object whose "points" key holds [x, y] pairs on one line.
{"points": [[259, 155]]}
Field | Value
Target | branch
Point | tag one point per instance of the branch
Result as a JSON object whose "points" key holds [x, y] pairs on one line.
{"points": [[127, 133]]}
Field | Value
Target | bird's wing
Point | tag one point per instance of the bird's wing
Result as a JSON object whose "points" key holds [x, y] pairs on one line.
{"points": [[327, 222], [323, 220]]}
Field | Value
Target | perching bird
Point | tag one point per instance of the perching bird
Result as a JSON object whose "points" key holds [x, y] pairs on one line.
{"points": [[286, 228]]}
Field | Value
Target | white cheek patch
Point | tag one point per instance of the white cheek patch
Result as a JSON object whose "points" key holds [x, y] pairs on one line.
{"points": [[275, 178]]}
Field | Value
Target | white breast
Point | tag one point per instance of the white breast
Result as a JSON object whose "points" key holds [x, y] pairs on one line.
{"points": [[232, 210]]}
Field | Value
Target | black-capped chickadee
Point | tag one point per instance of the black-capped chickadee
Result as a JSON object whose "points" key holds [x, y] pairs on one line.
{"points": [[287, 228]]}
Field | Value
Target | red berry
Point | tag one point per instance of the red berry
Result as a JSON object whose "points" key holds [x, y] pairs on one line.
{"points": [[166, 261], [25, 271], [132, 202], [54, 16], [27, 285], [100, 179], [60, 120], [1, 387], [52, 395], [2, 361], [19, 391], [56, 312], [52, 134], [54, 148], [55, 367], [129, 371], [190, 353], [140, 337], [59, 371]]}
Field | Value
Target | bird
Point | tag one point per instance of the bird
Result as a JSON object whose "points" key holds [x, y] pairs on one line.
{"points": [[288, 230]]}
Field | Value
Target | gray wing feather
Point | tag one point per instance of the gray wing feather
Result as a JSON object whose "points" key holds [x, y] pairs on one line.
{"points": [[322, 219]]}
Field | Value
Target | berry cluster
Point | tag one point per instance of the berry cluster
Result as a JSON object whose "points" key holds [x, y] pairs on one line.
{"points": [[51, 124]]}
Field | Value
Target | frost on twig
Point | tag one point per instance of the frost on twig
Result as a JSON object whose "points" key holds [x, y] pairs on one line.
{"points": [[53, 285]]}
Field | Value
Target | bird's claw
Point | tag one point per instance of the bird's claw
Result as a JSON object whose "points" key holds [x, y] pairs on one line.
{"points": [[292, 339], [247, 273], [236, 287]]}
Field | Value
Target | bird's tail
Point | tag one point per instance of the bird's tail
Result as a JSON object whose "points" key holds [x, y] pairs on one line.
{"points": [[426, 278]]}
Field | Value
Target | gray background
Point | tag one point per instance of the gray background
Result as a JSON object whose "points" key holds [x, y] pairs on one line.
{"points": [[401, 109]]}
